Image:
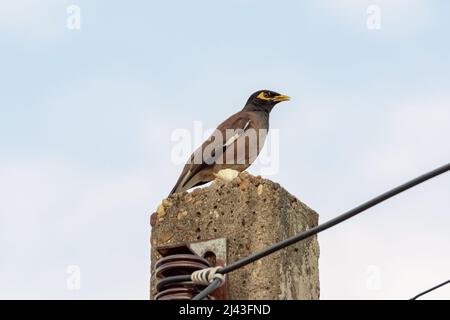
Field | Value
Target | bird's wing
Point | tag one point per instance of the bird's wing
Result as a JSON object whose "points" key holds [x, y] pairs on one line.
{"points": [[217, 143]]}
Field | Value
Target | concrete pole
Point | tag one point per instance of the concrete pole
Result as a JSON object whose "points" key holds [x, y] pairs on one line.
{"points": [[251, 213]]}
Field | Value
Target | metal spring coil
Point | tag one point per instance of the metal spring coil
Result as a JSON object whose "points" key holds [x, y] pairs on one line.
{"points": [[177, 265]]}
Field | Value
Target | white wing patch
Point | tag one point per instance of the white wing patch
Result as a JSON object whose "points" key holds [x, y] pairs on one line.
{"points": [[237, 135], [247, 124], [231, 140]]}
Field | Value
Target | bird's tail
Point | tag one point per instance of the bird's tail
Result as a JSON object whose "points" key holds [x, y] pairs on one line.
{"points": [[174, 190], [185, 183], [178, 187]]}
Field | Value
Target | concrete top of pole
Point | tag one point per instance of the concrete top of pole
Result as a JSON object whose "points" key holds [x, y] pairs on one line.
{"points": [[251, 213]]}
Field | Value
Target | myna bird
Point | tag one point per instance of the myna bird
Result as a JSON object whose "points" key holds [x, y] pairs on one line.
{"points": [[234, 145]]}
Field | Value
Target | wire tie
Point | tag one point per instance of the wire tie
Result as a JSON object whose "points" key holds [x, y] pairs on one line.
{"points": [[205, 276]]}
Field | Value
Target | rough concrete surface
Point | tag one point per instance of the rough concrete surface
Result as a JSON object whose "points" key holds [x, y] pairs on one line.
{"points": [[252, 213]]}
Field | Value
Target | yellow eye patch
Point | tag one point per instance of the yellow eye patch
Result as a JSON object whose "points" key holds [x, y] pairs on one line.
{"points": [[262, 96]]}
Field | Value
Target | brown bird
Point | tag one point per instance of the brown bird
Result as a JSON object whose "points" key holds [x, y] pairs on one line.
{"points": [[234, 145]]}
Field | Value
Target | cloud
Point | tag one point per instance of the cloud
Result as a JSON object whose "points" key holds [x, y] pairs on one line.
{"points": [[33, 18], [407, 253], [83, 194], [55, 213], [350, 153], [413, 138]]}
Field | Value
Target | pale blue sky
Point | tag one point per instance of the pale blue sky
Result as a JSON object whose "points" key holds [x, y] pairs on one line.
{"points": [[86, 120]]}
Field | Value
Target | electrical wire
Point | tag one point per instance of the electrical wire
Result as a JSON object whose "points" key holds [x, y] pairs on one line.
{"points": [[331, 223], [429, 290], [216, 283], [347, 215]]}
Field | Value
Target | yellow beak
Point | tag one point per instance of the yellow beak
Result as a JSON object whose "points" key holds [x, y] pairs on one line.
{"points": [[281, 98]]}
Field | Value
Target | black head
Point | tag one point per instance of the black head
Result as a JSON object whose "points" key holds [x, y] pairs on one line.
{"points": [[264, 100]]}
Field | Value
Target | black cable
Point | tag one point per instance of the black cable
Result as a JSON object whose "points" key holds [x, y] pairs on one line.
{"points": [[431, 289], [208, 290], [324, 226], [341, 218]]}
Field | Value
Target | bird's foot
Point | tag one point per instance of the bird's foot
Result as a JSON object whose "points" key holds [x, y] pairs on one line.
{"points": [[227, 174]]}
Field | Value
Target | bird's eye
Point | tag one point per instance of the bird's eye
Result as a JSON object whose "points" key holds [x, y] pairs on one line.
{"points": [[266, 95]]}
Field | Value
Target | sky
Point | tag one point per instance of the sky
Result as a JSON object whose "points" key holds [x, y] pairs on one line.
{"points": [[87, 117]]}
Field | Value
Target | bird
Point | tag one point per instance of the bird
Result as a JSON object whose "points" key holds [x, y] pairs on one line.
{"points": [[234, 145]]}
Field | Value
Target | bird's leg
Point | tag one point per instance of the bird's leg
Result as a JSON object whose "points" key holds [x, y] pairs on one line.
{"points": [[227, 174]]}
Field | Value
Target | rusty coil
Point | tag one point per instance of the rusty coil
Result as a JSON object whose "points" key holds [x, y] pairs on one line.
{"points": [[177, 265]]}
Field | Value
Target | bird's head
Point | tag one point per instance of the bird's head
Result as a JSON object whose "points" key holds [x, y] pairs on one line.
{"points": [[264, 100]]}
